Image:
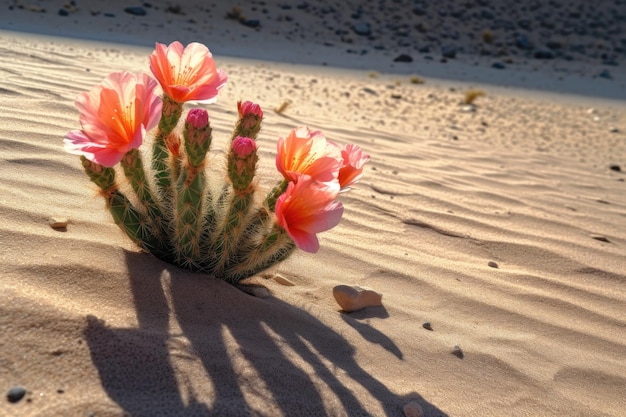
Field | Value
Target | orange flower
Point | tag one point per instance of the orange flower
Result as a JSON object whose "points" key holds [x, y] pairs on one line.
{"points": [[187, 74], [307, 207], [114, 117], [352, 169], [307, 152]]}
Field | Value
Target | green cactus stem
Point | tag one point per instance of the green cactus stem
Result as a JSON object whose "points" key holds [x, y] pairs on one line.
{"points": [[160, 151], [134, 171], [275, 246]]}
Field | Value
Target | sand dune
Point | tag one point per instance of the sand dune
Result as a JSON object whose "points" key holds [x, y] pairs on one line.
{"points": [[91, 326]]}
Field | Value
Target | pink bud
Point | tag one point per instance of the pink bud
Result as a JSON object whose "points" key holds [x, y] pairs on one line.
{"points": [[198, 118], [243, 146], [248, 107]]}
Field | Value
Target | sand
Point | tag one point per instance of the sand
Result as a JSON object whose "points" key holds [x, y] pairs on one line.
{"points": [[501, 224]]}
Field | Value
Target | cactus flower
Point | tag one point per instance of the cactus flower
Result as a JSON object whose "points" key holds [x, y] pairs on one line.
{"points": [[250, 115], [307, 152], [354, 160], [187, 74], [114, 117], [307, 207]]}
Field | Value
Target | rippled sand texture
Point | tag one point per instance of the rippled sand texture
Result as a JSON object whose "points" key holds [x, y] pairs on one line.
{"points": [[89, 324]]}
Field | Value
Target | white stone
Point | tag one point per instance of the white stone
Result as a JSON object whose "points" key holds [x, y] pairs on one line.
{"points": [[353, 298], [282, 280], [58, 222]]}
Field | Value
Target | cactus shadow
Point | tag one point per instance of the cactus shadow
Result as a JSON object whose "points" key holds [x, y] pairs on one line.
{"points": [[222, 327]]}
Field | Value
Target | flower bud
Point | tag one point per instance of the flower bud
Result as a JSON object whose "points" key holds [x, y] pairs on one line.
{"points": [[197, 136], [242, 160], [250, 117]]}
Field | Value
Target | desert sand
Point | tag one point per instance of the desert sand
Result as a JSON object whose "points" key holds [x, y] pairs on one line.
{"points": [[501, 224]]}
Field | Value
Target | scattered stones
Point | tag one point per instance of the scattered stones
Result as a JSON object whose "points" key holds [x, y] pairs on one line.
{"points": [[15, 394], [413, 409], [493, 264], [428, 326], [58, 222], [135, 10], [282, 280], [353, 298], [615, 167], [458, 352], [403, 58]]}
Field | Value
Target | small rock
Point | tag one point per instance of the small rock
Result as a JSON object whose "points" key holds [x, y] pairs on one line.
{"points": [[251, 23], [615, 168], [605, 74], [498, 65], [63, 12], [135, 10], [255, 290], [493, 264], [601, 238], [543, 54], [362, 29], [15, 394], [428, 326], [522, 42], [282, 280], [458, 352], [353, 298], [614, 130], [403, 58], [468, 108], [449, 51], [58, 222], [413, 409]]}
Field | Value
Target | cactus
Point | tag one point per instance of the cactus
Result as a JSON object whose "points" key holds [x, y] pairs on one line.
{"points": [[230, 231]]}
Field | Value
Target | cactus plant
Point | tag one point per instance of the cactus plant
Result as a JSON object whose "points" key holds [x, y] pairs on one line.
{"points": [[169, 210]]}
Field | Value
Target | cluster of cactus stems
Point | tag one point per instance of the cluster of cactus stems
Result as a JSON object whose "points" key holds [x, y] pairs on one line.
{"points": [[175, 215], [170, 207]]}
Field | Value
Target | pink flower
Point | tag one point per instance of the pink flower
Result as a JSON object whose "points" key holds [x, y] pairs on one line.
{"points": [[114, 117], [307, 207], [353, 162], [307, 152], [187, 74], [198, 118], [197, 127]]}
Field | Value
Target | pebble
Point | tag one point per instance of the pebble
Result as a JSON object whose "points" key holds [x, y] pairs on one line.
{"points": [[428, 326], [15, 394], [282, 280], [403, 58], [251, 23], [58, 222], [498, 65], [601, 238], [543, 54], [413, 409], [362, 29], [615, 168], [135, 10], [493, 264], [458, 352], [614, 130], [449, 52], [605, 74], [353, 298]]}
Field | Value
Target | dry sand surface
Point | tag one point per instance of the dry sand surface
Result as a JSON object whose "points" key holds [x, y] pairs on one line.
{"points": [[502, 224]]}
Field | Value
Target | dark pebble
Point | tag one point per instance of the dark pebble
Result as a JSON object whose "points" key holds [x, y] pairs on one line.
{"points": [[493, 264], [135, 10], [251, 23], [605, 74], [428, 326], [448, 52], [15, 394], [615, 168], [498, 65], [403, 58], [63, 12], [543, 54], [522, 42], [458, 352], [109, 14], [362, 28]]}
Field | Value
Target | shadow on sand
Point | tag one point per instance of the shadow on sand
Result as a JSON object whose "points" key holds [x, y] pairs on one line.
{"points": [[136, 364]]}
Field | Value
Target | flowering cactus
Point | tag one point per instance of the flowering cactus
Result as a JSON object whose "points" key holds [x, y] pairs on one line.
{"points": [[172, 213]]}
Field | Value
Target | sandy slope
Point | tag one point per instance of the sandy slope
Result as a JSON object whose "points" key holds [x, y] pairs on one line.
{"points": [[92, 326]]}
